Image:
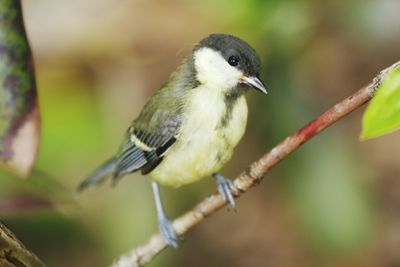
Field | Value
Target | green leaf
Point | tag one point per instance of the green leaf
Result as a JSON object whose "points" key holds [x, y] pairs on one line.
{"points": [[383, 113]]}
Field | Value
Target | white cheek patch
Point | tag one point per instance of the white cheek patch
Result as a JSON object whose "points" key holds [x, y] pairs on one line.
{"points": [[214, 71]]}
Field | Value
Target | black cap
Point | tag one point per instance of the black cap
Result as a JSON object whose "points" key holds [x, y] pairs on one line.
{"points": [[230, 46]]}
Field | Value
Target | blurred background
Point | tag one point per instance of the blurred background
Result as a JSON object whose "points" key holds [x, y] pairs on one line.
{"points": [[334, 202]]}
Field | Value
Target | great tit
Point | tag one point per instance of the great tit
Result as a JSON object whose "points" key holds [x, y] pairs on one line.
{"points": [[188, 129]]}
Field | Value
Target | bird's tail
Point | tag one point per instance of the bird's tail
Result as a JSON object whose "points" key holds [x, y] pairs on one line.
{"points": [[98, 176]]}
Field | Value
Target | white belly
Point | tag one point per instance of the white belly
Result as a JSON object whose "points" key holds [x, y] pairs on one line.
{"points": [[203, 146]]}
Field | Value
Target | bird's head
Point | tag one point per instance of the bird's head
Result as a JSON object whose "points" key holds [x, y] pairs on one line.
{"points": [[224, 62]]}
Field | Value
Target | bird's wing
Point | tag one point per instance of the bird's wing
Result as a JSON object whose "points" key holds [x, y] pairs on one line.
{"points": [[142, 150], [150, 135], [157, 127]]}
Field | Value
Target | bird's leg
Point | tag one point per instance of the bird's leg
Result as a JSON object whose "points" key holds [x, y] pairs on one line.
{"points": [[225, 188], [165, 225]]}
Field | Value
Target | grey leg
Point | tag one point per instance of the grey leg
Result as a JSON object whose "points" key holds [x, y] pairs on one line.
{"points": [[165, 225], [225, 188]]}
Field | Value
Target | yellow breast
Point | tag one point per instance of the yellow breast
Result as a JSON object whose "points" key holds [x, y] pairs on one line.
{"points": [[204, 145]]}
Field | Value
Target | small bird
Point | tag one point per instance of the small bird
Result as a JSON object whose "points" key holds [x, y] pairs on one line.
{"points": [[189, 128]]}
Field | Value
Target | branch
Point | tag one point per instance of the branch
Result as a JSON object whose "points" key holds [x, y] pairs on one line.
{"points": [[13, 252], [253, 175]]}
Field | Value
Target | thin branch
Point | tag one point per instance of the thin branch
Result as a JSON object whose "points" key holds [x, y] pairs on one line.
{"points": [[253, 175], [13, 252]]}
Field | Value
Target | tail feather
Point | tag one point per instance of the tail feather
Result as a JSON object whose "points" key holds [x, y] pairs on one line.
{"points": [[98, 176]]}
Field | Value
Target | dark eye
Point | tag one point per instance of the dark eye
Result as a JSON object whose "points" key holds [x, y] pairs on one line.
{"points": [[233, 61]]}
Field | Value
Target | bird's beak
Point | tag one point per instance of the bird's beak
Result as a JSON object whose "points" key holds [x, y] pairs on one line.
{"points": [[254, 82]]}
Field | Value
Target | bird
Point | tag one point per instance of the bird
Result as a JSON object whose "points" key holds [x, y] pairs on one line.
{"points": [[189, 128]]}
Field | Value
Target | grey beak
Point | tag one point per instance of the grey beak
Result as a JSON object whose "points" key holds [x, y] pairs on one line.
{"points": [[254, 82]]}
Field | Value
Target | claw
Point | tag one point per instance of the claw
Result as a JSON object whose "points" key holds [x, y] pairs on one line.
{"points": [[225, 188], [167, 232]]}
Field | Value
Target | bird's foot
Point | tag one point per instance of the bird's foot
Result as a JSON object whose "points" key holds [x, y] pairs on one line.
{"points": [[225, 188], [167, 231]]}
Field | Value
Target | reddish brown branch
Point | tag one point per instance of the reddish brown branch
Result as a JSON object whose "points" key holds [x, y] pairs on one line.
{"points": [[255, 172]]}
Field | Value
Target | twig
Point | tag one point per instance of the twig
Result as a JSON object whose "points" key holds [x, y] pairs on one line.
{"points": [[13, 252], [254, 173]]}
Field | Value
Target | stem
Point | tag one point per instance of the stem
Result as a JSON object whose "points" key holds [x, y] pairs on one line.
{"points": [[13, 252], [253, 175]]}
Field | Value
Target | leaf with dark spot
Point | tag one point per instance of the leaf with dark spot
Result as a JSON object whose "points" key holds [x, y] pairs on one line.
{"points": [[19, 113]]}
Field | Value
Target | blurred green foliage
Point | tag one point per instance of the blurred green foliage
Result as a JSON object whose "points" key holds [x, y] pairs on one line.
{"points": [[97, 62], [335, 225], [70, 117]]}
